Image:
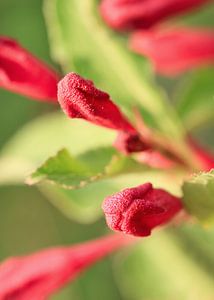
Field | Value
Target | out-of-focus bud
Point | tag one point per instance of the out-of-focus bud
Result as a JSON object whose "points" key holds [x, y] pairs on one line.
{"points": [[141, 14], [79, 98], [138, 210], [129, 143], [39, 275], [22, 73], [173, 51]]}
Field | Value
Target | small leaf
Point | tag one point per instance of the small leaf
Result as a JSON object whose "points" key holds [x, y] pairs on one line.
{"points": [[62, 169], [43, 137], [73, 173], [199, 196]]}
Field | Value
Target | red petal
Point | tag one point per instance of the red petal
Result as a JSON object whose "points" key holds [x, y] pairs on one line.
{"points": [[37, 276], [173, 51], [136, 14], [21, 72], [138, 210], [79, 98]]}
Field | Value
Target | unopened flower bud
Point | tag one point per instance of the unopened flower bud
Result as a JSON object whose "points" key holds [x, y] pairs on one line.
{"points": [[138, 210], [79, 98], [22, 73]]}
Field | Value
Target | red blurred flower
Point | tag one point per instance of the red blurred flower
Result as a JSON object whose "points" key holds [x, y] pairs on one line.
{"points": [[138, 210], [22, 73], [175, 50], [136, 14], [79, 98], [37, 276]]}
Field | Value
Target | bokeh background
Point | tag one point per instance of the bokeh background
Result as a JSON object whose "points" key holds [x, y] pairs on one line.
{"points": [[172, 262]]}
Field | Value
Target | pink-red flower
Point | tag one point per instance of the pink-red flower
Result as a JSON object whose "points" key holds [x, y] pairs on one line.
{"points": [[175, 50], [21, 72], [37, 276], [138, 210], [79, 98], [141, 14]]}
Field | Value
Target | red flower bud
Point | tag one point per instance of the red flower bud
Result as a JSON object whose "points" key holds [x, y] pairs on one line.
{"points": [[176, 50], [129, 143], [138, 210], [37, 276], [139, 14], [79, 98], [21, 72]]}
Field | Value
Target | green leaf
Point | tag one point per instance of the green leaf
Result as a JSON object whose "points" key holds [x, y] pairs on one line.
{"points": [[63, 169], [73, 173], [88, 47], [196, 99], [158, 268], [199, 196], [43, 137]]}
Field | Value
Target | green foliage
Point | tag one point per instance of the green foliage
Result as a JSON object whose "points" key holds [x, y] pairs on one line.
{"points": [[73, 173], [202, 17], [198, 242], [199, 196], [157, 268], [43, 137], [63, 169], [196, 99]]}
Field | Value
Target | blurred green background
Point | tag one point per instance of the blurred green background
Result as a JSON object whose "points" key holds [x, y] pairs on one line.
{"points": [[174, 262]]}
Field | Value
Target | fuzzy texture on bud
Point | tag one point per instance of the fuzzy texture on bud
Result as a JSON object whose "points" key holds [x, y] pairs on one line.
{"points": [[142, 14], [79, 98], [39, 275], [138, 210], [173, 51], [22, 73]]}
